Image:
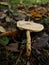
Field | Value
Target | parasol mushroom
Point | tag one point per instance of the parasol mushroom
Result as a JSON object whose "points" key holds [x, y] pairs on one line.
{"points": [[29, 26]]}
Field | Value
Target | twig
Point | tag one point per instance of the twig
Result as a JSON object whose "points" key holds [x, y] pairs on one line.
{"points": [[9, 33], [18, 58]]}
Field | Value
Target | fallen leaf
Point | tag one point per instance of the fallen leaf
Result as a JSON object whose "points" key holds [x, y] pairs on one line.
{"points": [[13, 47], [4, 40], [2, 29], [28, 63]]}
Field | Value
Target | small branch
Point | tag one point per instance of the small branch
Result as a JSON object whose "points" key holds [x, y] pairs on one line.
{"points": [[19, 57], [9, 33]]}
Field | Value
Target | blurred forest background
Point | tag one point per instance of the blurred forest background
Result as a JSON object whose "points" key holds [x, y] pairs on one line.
{"points": [[26, 2]]}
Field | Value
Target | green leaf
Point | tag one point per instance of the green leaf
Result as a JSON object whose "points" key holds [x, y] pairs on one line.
{"points": [[4, 40], [45, 20], [15, 14], [3, 6]]}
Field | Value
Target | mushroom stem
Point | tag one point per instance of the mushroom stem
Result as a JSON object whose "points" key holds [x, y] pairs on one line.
{"points": [[28, 45]]}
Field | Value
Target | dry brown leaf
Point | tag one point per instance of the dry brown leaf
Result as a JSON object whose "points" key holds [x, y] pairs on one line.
{"points": [[12, 47], [28, 63], [8, 19]]}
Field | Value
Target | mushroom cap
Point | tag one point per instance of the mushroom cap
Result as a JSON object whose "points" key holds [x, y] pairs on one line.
{"points": [[31, 26]]}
